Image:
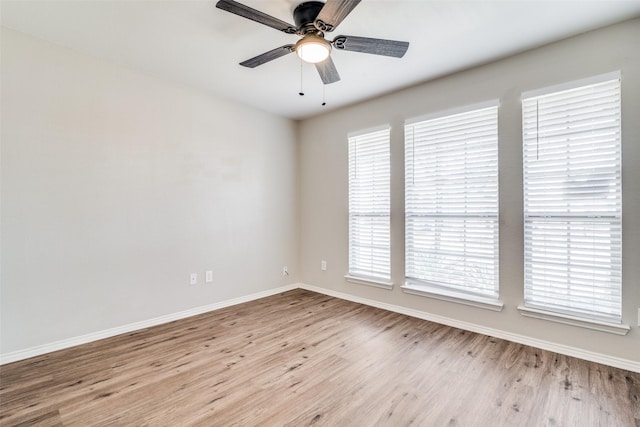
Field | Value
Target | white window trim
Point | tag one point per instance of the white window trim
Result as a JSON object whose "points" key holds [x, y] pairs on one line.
{"points": [[613, 328], [363, 132], [424, 290], [540, 312], [571, 85], [416, 287], [452, 111], [377, 283], [352, 276]]}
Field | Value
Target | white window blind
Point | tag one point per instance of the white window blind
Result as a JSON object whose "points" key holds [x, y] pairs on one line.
{"points": [[451, 202], [572, 201], [369, 205]]}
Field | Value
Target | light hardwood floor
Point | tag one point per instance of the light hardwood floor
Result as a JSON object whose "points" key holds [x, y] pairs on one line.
{"points": [[301, 358]]}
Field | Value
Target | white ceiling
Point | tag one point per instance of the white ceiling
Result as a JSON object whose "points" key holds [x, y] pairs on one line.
{"points": [[196, 44]]}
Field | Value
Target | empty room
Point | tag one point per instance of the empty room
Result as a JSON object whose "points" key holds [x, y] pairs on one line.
{"points": [[328, 213]]}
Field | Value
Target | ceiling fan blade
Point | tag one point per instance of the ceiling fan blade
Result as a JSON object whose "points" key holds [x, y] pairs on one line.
{"points": [[384, 47], [255, 15], [328, 72], [268, 56], [333, 13]]}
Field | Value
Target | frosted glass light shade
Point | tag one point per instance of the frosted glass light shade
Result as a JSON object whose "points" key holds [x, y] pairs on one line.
{"points": [[313, 49]]}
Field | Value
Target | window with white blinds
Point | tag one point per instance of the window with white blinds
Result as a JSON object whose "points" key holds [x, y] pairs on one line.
{"points": [[369, 205], [451, 203], [572, 200]]}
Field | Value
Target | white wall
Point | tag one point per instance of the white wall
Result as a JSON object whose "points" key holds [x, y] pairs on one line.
{"points": [[117, 185], [324, 184]]}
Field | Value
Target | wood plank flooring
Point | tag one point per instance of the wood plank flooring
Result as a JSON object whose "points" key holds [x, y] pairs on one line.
{"points": [[300, 359]]}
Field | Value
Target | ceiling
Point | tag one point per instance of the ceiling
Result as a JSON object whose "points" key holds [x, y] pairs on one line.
{"points": [[196, 44]]}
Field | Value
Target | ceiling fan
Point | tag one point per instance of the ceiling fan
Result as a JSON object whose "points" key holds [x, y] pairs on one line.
{"points": [[312, 20]]}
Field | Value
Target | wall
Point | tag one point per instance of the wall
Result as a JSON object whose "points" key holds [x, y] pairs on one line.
{"points": [[117, 185], [324, 184]]}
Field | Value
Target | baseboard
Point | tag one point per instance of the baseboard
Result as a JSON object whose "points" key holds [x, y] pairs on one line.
{"points": [[604, 359], [95, 336]]}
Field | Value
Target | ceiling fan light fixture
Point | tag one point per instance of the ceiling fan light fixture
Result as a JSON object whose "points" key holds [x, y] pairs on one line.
{"points": [[312, 20], [313, 49]]}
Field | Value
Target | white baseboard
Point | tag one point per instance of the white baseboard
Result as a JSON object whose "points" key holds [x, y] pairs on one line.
{"points": [[84, 339], [604, 359]]}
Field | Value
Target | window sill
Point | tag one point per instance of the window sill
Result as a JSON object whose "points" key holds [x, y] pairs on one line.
{"points": [[451, 296], [574, 321], [369, 282]]}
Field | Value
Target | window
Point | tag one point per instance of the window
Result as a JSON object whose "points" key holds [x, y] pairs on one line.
{"points": [[369, 206], [572, 200], [451, 204]]}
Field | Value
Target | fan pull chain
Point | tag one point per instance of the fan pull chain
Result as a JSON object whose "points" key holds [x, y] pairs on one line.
{"points": [[324, 101], [301, 93]]}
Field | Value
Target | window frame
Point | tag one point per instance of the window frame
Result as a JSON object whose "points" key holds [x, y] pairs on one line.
{"points": [[540, 217], [377, 139], [417, 286]]}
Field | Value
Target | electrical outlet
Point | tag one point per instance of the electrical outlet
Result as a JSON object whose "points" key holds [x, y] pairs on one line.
{"points": [[208, 277], [323, 265], [193, 280], [639, 317], [285, 271]]}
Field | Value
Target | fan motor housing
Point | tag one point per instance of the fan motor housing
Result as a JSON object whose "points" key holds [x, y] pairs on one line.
{"points": [[306, 13]]}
